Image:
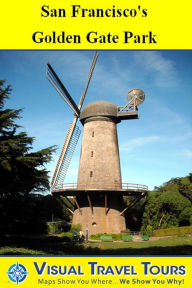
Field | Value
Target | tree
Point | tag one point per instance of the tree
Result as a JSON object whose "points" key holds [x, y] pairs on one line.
{"points": [[182, 184], [166, 209], [22, 171], [170, 204], [133, 215]]}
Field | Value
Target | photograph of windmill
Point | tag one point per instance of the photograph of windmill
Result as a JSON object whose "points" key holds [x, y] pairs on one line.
{"points": [[121, 189]]}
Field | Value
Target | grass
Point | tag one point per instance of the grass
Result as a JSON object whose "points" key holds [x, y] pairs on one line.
{"points": [[19, 251], [175, 245], [53, 245]]}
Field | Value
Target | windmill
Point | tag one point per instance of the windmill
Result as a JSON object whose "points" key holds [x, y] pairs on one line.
{"points": [[99, 191]]}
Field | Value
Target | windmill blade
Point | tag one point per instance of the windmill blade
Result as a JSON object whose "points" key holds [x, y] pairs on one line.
{"points": [[58, 85], [88, 80], [66, 154], [73, 131]]}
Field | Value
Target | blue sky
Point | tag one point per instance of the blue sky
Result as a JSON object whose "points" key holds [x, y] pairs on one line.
{"points": [[154, 148]]}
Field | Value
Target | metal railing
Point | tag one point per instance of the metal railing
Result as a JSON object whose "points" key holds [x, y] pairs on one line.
{"points": [[100, 186]]}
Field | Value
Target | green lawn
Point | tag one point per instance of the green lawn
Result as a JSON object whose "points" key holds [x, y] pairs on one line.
{"points": [[53, 245], [167, 246]]}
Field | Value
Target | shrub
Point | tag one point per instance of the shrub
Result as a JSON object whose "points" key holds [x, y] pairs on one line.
{"points": [[66, 234], [173, 231], [149, 230], [96, 236], [114, 236], [76, 228], [55, 227]]}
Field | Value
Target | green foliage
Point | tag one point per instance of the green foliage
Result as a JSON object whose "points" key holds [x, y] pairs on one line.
{"points": [[56, 245], [169, 205], [183, 184], [67, 234], [19, 251], [96, 236], [149, 230], [17, 213], [60, 227], [55, 227], [150, 212], [166, 209], [178, 231], [23, 175], [51, 208], [75, 228], [134, 214], [21, 170], [145, 237], [114, 236], [127, 238]]}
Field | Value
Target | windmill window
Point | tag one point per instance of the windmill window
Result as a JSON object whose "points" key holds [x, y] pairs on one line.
{"points": [[91, 173], [93, 134], [91, 153]]}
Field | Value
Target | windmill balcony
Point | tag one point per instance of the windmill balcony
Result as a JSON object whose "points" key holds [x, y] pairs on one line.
{"points": [[124, 189]]}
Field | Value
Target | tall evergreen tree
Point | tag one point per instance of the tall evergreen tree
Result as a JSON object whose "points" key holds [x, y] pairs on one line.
{"points": [[21, 170]]}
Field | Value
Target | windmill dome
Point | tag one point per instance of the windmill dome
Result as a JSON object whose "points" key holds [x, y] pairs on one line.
{"points": [[99, 108]]}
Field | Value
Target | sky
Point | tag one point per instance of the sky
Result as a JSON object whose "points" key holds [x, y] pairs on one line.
{"points": [[153, 149]]}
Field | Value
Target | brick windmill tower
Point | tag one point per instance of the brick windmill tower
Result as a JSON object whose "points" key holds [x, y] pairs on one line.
{"points": [[98, 193]]}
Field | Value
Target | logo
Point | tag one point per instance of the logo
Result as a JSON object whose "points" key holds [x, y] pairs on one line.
{"points": [[17, 273]]}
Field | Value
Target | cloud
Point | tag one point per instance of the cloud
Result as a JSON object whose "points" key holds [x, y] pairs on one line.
{"points": [[160, 69], [129, 146], [183, 137], [187, 153], [75, 65], [167, 114]]}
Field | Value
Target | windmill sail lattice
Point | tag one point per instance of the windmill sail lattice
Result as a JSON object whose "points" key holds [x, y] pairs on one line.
{"points": [[58, 85], [67, 150]]}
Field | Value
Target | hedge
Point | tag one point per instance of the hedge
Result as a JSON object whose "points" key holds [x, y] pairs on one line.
{"points": [[114, 236], [173, 231]]}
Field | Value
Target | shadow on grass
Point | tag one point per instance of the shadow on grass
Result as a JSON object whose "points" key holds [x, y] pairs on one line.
{"points": [[53, 245]]}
